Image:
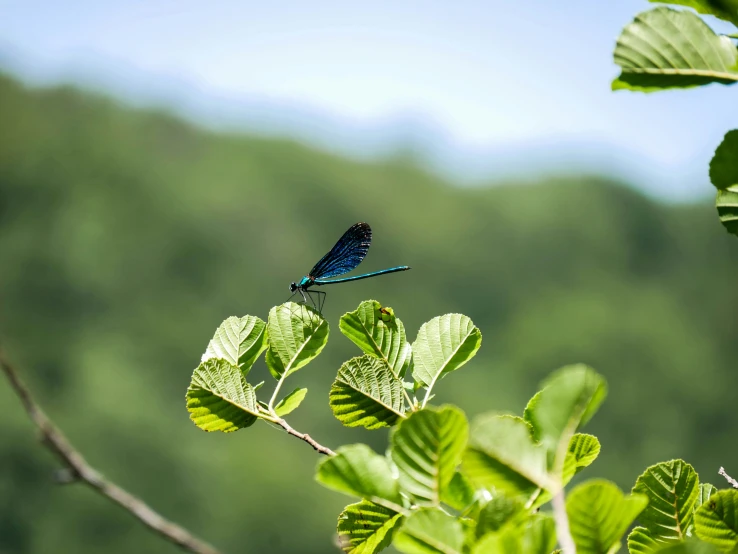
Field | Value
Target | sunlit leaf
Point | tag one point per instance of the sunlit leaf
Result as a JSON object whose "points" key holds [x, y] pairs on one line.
{"points": [[366, 393], [689, 547], [290, 402], [366, 327], [599, 515], [444, 344], [430, 531], [672, 489], [358, 471], [507, 540], [567, 400], [297, 334], [583, 450], [726, 202], [534, 535], [219, 398], [539, 536], [665, 48], [706, 491], [426, 448], [641, 542], [366, 527], [459, 494], [498, 512], [716, 521], [724, 9], [238, 340], [502, 455]]}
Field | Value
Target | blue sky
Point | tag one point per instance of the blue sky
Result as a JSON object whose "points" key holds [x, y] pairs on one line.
{"points": [[486, 86]]}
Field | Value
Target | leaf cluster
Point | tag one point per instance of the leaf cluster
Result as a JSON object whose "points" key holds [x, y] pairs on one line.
{"points": [[445, 485], [666, 48]]}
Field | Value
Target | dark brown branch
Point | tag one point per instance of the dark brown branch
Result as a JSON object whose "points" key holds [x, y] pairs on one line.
{"points": [[730, 480], [305, 437], [80, 470]]}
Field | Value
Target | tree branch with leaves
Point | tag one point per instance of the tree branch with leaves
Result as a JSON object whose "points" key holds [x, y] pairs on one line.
{"points": [[666, 48], [445, 486]]}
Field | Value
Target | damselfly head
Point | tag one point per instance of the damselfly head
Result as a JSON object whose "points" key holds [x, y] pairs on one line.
{"points": [[293, 287]]}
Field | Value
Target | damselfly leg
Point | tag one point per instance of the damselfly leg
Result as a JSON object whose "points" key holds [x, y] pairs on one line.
{"points": [[321, 299]]}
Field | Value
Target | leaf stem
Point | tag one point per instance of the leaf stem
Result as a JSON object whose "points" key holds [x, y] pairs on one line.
{"points": [[562, 523], [409, 400], [533, 498], [427, 394], [79, 470], [559, 505], [275, 393]]}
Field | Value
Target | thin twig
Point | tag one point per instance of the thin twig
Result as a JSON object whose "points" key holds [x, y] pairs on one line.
{"points": [[730, 480], [563, 533], [303, 436], [562, 523], [80, 470]]}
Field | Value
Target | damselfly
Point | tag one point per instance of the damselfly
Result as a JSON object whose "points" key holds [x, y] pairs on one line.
{"points": [[348, 253]]}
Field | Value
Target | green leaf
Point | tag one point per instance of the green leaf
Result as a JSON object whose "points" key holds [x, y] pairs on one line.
{"points": [[665, 48], [726, 202], [540, 535], [723, 9], [219, 398], [498, 512], [583, 450], [568, 399], [407, 365], [366, 393], [290, 402], [716, 521], [238, 340], [366, 527], [444, 344], [384, 339], [535, 535], [672, 489], [459, 494], [501, 455], [641, 542], [357, 470], [599, 515], [426, 448], [689, 547], [297, 334], [430, 531], [724, 164], [706, 491], [508, 540]]}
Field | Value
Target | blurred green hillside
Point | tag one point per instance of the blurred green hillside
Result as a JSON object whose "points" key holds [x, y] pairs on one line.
{"points": [[127, 236]]}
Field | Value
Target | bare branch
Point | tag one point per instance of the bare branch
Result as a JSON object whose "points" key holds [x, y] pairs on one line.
{"points": [[80, 470], [305, 437], [730, 480]]}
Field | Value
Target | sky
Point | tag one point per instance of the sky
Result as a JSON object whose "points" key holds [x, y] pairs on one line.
{"points": [[482, 88]]}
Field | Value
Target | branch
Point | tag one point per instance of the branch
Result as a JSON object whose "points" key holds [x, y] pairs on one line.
{"points": [[80, 470], [562, 523], [305, 437], [730, 480]]}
